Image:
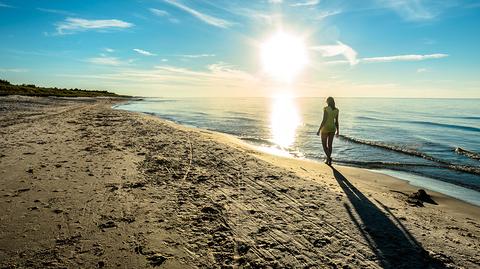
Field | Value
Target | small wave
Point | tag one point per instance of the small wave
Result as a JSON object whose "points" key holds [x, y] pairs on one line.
{"points": [[233, 112], [412, 152], [458, 117], [240, 118], [469, 154], [393, 148], [369, 118], [377, 164], [468, 117], [154, 100], [257, 140], [451, 126], [197, 113]]}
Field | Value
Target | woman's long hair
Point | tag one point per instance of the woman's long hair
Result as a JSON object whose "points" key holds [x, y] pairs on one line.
{"points": [[331, 102]]}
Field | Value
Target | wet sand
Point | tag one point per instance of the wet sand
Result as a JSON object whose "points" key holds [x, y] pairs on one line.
{"points": [[86, 186]]}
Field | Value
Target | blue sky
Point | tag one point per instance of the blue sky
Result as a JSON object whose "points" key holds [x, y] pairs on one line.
{"points": [[382, 48]]}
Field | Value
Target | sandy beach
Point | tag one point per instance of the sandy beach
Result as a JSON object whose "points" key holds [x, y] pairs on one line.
{"points": [[83, 185]]}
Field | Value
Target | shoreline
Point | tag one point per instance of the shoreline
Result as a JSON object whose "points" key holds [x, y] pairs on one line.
{"points": [[390, 173], [414, 180], [390, 181], [88, 186]]}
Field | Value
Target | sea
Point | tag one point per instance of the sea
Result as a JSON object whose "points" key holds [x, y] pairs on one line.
{"points": [[431, 143]]}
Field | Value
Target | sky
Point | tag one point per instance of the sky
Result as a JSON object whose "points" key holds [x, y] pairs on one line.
{"points": [[184, 48]]}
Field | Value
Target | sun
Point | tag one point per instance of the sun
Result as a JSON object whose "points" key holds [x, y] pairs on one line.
{"points": [[283, 56]]}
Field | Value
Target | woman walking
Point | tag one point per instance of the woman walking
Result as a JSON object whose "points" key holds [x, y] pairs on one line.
{"points": [[327, 128]]}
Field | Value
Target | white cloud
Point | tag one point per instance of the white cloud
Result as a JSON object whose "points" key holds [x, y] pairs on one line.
{"points": [[144, 52], [340, 49], [109, 50], [105, 60], [275, 1], [56, 11], [418, 10], [422, 70], [306, 3], [210, 81], [201, 16], [71, 25], [164, 60], [257, 15], [159, 12], [403, 58], [163, 13], [215, 72], [225, 70], [412, 10], [351, 55], [196, 55], [326, 13]]}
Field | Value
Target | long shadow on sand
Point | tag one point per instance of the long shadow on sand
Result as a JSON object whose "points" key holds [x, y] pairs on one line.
{"points": [[394, 246]]}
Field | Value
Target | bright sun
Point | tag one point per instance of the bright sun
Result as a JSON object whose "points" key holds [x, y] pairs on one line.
{"points": [[283, 56]]}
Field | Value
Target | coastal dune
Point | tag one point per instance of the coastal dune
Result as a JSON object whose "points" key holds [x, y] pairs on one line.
{"points": [[87, 186]]}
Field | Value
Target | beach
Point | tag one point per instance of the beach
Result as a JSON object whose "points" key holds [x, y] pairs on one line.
{"points": [[87, 186]]}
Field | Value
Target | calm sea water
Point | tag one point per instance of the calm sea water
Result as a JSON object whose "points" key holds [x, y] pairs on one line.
{"points": [[433, 143]]}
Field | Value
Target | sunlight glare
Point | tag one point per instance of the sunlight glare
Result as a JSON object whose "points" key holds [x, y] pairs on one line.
{"points": [[283, 56], [284, 121]]}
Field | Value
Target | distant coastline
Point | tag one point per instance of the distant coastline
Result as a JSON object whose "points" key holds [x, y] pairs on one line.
{"points": [[6, 88]]}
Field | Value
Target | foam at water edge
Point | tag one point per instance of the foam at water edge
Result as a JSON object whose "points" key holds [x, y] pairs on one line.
{"points": [[455, 191]]}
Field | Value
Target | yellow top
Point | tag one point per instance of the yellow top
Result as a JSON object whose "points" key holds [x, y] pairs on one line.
{"points": [[329, 125]]}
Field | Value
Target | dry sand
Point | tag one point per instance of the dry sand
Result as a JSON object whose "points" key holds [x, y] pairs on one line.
{"points": [[86, 186]]}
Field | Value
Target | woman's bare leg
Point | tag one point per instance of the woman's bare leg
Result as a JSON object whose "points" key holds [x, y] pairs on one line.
{"points": [[330, 145], [325, 145]]}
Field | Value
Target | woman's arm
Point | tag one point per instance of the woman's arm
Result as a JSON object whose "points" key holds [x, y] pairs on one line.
{"points": [[323, 122], [337, 125]]}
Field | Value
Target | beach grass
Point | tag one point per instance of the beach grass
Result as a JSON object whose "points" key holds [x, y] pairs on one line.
{"points": [[6, 88]]}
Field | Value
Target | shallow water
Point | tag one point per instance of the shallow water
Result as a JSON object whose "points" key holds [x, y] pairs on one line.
{"points": [[433, 138]]}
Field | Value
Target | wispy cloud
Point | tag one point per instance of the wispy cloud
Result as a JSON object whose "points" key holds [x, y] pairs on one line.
{"points": [[56, 11], [403, 58], [326, 13], [418, 10], [221, 23], [257, 15], [215, 72], [144, 52], [422, 70], [275, 1], [106, 60], [110, 50], [213, 75], [159, 12], [13, 70], [72, 25], [163, 13], [339, 49], [196, 55], [305, 3], [351, 58], [222, 69], [207, 81]]}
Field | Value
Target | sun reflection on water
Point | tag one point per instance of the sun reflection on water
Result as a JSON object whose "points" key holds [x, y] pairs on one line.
{"points": [[284, 121]]}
